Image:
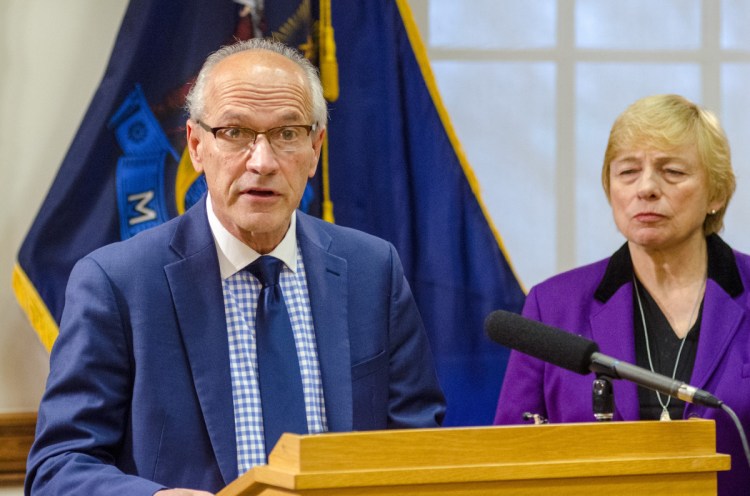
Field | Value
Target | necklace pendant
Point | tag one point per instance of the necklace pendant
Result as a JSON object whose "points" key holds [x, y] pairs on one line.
{"points": [[665, 416]]}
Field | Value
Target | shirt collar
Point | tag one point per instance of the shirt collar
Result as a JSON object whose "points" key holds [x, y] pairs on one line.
{"points": [[234, 255], [722, 269]]}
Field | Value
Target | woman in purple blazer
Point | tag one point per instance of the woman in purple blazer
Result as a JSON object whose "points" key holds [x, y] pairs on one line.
{"points": [[674, 298]]}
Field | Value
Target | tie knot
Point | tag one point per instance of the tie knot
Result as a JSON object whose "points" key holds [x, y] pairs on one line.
{"points": [[266, 269]]}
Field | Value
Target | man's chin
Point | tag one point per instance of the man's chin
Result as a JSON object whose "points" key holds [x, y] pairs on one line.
{"points": [[262, 229]]}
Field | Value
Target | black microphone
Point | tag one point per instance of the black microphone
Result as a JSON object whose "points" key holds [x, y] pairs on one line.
{"points": [[549, 344], [581, 355]]}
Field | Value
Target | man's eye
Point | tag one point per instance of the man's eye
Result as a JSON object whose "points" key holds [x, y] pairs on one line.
{"points": [[235, 133], [288, 133]]}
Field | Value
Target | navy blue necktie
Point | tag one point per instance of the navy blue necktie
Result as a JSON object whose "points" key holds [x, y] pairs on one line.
{"points": [[282, 399]]}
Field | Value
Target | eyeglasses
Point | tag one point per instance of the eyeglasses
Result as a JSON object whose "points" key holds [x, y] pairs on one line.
{"points": [[282, 138]]}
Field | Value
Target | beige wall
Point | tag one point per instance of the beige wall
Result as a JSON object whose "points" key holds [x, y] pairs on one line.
{"points": [[52, 56]]}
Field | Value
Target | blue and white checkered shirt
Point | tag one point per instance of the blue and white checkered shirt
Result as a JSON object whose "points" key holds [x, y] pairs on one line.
{"points": [[241, 292]]}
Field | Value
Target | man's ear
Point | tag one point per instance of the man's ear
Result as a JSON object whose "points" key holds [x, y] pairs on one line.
{"points": [[195, 145], [317, 145]]}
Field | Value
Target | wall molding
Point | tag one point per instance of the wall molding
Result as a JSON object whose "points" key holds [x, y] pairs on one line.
{"points": [[16, 436]]}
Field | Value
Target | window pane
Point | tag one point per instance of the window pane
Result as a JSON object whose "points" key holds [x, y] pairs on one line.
{"points": [[603, 91], [504, 117], [493, 24], [638, 24], [735, 18], [735, 79]]}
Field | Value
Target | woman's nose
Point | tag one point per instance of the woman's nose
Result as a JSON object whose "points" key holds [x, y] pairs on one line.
{"points": [[648, 184]]}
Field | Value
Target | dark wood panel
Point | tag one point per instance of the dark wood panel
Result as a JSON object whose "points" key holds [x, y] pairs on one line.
{"points": [[16, 436]]}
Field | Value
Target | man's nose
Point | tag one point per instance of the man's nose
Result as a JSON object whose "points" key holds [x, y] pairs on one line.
{"points": [[262, 159]]}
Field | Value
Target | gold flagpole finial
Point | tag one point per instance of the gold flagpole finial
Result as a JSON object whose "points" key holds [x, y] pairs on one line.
{"points": [[329, 67]]}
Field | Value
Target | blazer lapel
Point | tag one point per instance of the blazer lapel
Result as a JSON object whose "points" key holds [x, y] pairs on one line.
{"points": [[327, 288], [612, 329], [198, 298], [720, 322]]}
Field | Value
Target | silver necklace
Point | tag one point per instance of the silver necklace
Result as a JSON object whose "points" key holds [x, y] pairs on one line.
{"points": [[665, 405]]}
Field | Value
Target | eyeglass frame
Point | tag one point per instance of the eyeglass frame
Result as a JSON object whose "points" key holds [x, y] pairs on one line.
{"points": [[213, 130]]}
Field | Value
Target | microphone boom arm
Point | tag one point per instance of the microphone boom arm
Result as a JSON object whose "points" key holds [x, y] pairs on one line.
{"points": [[612, 367]]}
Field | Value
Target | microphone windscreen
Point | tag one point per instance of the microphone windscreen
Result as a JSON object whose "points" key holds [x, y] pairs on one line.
{"points": [[566, 350]]}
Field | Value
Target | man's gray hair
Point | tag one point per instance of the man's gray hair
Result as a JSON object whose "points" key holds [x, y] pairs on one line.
{"points": [[196, 98]]}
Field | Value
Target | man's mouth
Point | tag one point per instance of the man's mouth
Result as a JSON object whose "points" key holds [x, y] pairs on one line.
{"points": [[260, 192]]}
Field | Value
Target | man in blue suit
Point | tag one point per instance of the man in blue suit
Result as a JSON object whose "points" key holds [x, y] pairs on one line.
{"points": [[154, 384]]}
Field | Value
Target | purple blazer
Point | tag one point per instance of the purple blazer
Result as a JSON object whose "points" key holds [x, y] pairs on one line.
{"points": [[596, 302]]}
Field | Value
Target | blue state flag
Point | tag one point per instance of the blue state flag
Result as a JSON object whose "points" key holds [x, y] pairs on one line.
{"points": [[398, 171], [392, 167]]}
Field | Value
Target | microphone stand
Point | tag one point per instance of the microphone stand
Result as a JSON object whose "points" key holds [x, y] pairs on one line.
{"points": [[603, 398]]}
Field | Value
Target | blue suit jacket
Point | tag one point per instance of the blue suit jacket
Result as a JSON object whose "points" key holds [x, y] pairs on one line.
{"points": [[139, 393], [596, 301]]}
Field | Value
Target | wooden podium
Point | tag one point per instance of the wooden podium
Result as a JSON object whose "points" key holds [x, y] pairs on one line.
{"points": [[613, 458]]}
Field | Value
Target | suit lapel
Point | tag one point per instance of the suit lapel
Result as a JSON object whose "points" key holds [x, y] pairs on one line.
{"points": [[720, 322], [327, 288], [612, 329], [198, 298]]}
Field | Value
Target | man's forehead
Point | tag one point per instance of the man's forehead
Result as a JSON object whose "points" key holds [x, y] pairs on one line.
{"points": [[256, 75], [257, 65]]}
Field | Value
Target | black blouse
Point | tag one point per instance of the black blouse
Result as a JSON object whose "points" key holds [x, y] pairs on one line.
{"points": [[664, 346]]}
